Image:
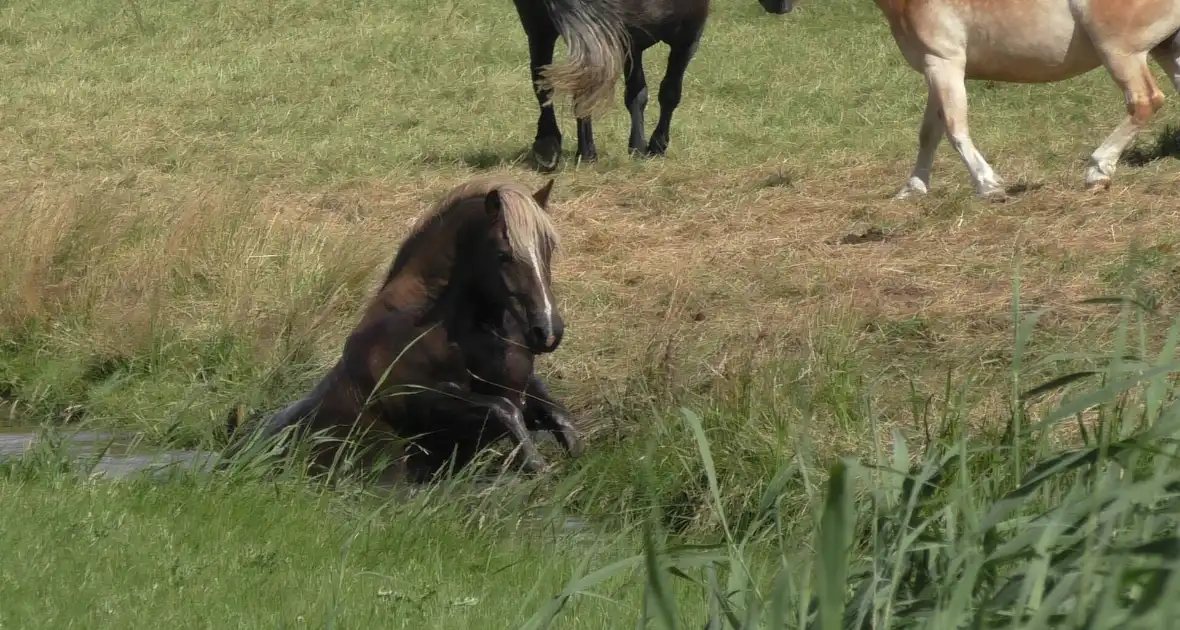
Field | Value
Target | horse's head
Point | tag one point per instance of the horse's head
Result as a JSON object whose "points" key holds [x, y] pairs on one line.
{"points": [[777, 6], [513, 269]]}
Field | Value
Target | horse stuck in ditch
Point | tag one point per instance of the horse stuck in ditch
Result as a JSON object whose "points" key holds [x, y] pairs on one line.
{"points": [[447, 343], [1030, 41]]}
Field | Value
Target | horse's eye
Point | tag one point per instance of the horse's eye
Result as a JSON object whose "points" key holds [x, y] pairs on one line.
{"points": [[504, 257]]}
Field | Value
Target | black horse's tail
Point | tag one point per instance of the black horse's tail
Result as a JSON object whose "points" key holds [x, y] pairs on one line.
{"points": [[595, 33]]}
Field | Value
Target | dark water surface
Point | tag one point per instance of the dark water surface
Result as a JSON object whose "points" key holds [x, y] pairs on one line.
{"points": [[118, 455], [113, 455]]}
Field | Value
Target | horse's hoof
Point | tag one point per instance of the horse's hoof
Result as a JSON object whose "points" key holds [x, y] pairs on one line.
{"points": [[588, 157], [994, 195], [574, 446], [569, 438], [546, 154], [913, 186], [992, 191], [536, 465], [657, 147], [1098, 176], [1098, 186]]}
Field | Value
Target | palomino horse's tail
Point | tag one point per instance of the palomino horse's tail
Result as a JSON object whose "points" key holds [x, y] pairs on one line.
{"points": [[596, 37]]}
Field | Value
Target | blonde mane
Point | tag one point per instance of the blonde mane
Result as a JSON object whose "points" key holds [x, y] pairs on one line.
{"points": [[530, 230]]}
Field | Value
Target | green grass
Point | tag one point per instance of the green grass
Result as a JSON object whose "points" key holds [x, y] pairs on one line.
{"points": [[199, 197], [1009, 532], [193, 553]]}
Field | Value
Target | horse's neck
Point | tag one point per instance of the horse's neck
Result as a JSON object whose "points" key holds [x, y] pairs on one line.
{"points": [[458, 309], [418, 282], [434, 293], [403, 292]]}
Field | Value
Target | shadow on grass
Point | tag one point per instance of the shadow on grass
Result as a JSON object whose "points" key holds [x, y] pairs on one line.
{"points": [[481, 159], [1166, 144]]}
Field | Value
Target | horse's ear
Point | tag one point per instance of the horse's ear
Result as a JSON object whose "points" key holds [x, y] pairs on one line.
{"points": [[493, 204], [542, 196]]}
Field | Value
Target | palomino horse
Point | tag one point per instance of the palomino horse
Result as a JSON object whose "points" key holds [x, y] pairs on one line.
{"points": [[1030, 41], [600, 33], [450, 338]]}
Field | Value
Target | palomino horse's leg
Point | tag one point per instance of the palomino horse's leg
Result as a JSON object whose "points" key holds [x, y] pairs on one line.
{"points": [[635, 98], [929, 135], [1143, 99], [947, 82], [671, 88]]}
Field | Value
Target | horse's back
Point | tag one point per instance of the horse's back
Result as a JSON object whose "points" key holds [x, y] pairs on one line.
{"points": [[655, 16], [1029, 41]]}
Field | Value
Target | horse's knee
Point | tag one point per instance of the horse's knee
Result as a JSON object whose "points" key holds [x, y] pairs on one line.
{"points": [[1140, 107], [1157, 100]]}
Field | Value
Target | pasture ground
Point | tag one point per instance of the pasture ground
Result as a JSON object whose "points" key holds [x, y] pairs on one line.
{"points": [[196, 199]]}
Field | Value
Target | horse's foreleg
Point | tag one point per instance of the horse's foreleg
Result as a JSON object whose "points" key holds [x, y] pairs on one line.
{"points": [[671, 88], [542, 37], [1143, 99], [635, 98], [508, 414], [947, 82], [929, 135], [547, 413]]}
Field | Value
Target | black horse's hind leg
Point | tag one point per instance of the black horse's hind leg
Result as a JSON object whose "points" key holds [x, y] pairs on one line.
{"points": [[670, 88], [542, 37], [587, 152], [635, 98], [542, 411]]}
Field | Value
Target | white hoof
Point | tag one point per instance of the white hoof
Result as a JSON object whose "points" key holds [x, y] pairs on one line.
{"points": [[1098, 177], [912, 187], [991, 189]]}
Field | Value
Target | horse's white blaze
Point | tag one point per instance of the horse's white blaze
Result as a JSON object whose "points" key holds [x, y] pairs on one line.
{"points": [[546, 299]]}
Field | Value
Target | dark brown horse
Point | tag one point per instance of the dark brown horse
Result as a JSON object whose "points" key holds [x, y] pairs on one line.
{"points": [[448, 342], [600, 34], [501, 364]]}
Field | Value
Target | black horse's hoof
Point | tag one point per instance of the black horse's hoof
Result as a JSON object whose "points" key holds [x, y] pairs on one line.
{"points": [[657, 147], [588, 157], [547, 153]]}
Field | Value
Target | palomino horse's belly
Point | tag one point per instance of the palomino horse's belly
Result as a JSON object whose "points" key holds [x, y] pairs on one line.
{"points": [[1003, 40], [1033, 41], [1026, 54]]}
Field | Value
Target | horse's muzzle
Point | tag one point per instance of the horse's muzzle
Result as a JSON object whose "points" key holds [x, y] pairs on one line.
{"points": [[545, 339]]}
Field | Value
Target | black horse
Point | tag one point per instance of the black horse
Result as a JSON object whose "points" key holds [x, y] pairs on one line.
{"points": [[599, 34], [447, 343]]}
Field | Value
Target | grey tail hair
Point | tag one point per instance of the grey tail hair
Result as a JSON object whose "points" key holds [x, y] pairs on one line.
{"points": [[595, 34]]}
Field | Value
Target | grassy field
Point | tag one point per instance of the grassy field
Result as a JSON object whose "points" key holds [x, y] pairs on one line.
{"points": [[198, 197]]}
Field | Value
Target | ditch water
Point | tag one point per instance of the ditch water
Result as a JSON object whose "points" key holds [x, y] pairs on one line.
{"points": [[115, 456]]}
